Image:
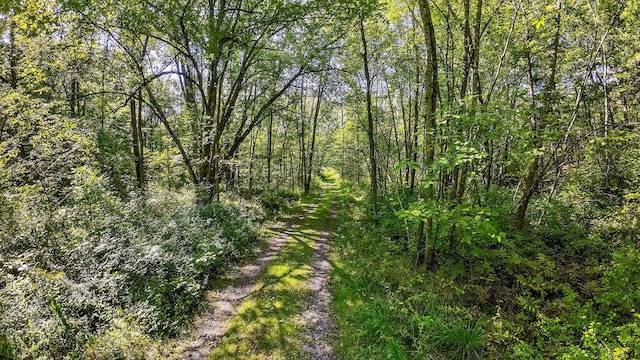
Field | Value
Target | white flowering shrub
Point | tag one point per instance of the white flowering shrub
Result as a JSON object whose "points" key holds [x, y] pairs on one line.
{"points": [[100, 265]]}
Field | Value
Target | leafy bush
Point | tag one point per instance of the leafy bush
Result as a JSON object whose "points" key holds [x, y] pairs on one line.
{"points": [[621, 281], [6, 352], [98, 262], [276, 200]]}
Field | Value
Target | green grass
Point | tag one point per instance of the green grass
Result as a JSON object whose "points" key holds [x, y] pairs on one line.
{"points": [[382, 303]]}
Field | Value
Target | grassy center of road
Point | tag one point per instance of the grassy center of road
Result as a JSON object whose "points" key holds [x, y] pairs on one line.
{"points": [[269, 323]]}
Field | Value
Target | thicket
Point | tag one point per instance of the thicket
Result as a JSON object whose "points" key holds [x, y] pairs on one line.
{"points": [[568, 288]]}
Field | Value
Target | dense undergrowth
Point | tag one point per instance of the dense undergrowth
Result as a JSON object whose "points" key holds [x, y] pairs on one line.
{"points": [[100, 263], [568, 288], [99, 277]]}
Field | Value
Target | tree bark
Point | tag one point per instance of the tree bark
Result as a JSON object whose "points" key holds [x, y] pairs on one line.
{"points": [[314, 127], [302, 139], [466, 55], [269, 148], [135, 135], [370, 129], [431, 96], [13, 56]]}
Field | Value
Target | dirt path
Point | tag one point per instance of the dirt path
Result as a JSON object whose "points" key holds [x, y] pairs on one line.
{"points": [[224, 302], [276, 307], [318, 316]]}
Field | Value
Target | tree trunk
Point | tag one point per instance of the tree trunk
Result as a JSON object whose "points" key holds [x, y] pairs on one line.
{"points": [[141, 139], [397, 140], [414, 144], [251, 159], [432, 92], [302, 139], [269, 148], [135, 135], [13, 56], [406, 133], [307, 181], [466, 55], [416, 115], [370, 130]]}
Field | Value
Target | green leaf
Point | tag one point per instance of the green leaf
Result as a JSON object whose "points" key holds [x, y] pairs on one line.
{"points": [[408, 164], [538, 23]]}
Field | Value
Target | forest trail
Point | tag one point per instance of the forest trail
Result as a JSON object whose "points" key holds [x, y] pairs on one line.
{"points": [[276, 307]]}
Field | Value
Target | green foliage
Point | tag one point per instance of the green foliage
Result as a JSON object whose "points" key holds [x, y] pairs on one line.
{"points": [[6, 351], [97, 261], [278, 199], [40, 148], [328, 174], [557, 291], [114, 156], [469, 224], [596, 343], [621, 283], [391, 313]]}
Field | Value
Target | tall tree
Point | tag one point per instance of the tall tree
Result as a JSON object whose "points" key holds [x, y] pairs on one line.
{"points": [[373, 171], [432, 90]]}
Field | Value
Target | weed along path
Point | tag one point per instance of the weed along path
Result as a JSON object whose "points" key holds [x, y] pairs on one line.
{"points": [[277, 307]]}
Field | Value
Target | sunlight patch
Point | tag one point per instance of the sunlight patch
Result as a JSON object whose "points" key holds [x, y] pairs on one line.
{"points": [[279, 270]]}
